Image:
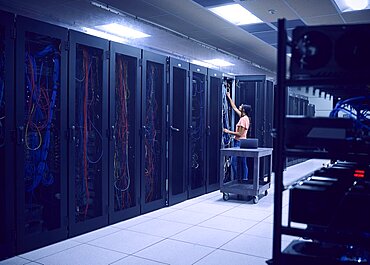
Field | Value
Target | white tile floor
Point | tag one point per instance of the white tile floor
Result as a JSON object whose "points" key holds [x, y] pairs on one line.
{"points": [[203, 230]]}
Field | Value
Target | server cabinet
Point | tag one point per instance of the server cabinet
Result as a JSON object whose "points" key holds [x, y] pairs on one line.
{"points": [[7, 126], [41, 71], [256, 91], [214, 129], [197, 131], [124, 122], [153, 132], [88, 124], [178, 95]]}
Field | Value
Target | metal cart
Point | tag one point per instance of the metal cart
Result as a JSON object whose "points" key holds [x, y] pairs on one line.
{"points": [[233, 186]]}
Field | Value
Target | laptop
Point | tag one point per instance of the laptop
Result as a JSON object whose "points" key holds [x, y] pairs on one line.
{"points": [[251, 143]]}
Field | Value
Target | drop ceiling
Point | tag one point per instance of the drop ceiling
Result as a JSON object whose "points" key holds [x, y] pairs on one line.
{"points": [[192, 20]]}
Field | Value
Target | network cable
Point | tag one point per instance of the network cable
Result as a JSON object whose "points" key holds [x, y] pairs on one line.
{"points": [[122, 178]]}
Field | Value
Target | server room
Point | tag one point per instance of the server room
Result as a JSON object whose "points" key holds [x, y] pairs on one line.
{"points": [[183, 132]]}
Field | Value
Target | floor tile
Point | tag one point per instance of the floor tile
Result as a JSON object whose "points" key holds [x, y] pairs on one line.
{"points": [[14, 261], [158, 227], [251, 245], [226, 223], [186, 217], [131, 222], [205, 236], [262, 229], [49, 250], [222, 257], [133, 260], [160, 212], [209, 208], [83, 255], [96, 234], [250, 214], [126, 241], [175, 252]]}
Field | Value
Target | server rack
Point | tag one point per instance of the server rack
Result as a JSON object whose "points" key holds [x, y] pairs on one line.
{"points": [[257, 91], [88, 124], [153, 132], [124, 122], [7, 126], [197, 131], [41, 186], [214, 129], [344, 238], [178, 95]]}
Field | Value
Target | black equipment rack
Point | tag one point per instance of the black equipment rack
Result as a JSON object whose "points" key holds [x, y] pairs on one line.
{"points": [[345, 84]]}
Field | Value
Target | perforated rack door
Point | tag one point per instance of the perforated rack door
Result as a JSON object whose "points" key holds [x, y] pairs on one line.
{"points": [[197, 131], [153, 132], [88, 125], [214, 129], [41, 71], [7, 199], [124, 122], [178, 95]]}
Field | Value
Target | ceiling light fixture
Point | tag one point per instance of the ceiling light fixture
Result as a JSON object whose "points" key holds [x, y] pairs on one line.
{"points": [[104, 35], [123, 31], [352, 5], [219, 62], [235, 14], [201, 63]]}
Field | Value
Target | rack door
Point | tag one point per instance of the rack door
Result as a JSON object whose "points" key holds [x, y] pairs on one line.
{"points": [[7, 199], [153, 132], [197, 131], [88, 124], [214, 129], [41, 71], [124, 122], [177, 152]]}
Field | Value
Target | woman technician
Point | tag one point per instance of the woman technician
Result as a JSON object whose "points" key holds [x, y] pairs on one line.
{"points": [[239, 164]]}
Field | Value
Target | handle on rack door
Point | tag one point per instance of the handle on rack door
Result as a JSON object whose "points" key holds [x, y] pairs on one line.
{"points": [[174, 129], [20, 135]]}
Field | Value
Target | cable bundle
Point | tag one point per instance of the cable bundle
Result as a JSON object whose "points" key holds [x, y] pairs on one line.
{"points": [[198, 128], [122, 178], [89, 139], [151, 143], [41, 100], [226, 139], [357, 108]]}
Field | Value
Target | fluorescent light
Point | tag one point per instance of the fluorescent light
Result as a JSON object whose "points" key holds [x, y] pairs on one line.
{"points": [[123, 31], [201, 63], [352, 5], [219, 62], [104, 35], [235, 14], [357, 4]]}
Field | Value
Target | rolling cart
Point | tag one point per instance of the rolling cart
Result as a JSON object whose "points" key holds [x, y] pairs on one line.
{"points": [[259, 185]]}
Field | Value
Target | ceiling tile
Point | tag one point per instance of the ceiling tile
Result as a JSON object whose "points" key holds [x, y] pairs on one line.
{"points": [[260, 27], [362, 16], [324, 20], [312, 8], [270, 36], [261, 8]]}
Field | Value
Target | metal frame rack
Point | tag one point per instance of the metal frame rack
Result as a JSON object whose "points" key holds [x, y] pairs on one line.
{"points": [[88, 124], [41, 114], [124, 124], [153, 132], [341, 85], [178, 94]]}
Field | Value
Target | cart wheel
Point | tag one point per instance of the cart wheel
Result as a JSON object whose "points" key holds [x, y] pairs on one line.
{"points": [[255, 199], [226, 196], [266, 192]]}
